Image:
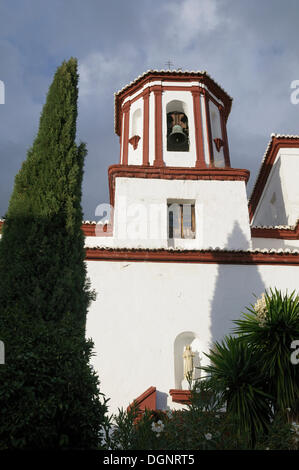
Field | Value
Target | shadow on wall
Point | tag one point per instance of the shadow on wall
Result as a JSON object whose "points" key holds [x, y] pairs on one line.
{"points": [[277, 202], [161, 400], [273, 209], [235, 288]]}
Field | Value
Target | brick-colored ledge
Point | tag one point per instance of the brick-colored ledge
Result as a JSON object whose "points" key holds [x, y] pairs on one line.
{"points": [[180, 396], [193, 256]]}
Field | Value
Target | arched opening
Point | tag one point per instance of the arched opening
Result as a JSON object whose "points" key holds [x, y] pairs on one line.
{"points": [[177, 127]]}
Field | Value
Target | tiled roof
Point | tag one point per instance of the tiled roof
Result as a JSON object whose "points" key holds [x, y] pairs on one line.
{"points": [[210, 249], [173, 72], [285, 227], [93, 222]]}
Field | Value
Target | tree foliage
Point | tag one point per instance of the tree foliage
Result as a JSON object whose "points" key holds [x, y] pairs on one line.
{"points": [[49, 395]]}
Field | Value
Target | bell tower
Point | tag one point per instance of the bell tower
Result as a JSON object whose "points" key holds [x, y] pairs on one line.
{"points": [[173, 119], [174, 150]]}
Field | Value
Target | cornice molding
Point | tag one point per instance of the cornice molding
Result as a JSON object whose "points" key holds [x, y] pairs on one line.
{"points": [[173, 173], [194, 256], [276, 232]]}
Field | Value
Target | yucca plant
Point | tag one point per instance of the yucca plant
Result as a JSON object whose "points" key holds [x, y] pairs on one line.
{"points": [[234, 372], [269, 328]]}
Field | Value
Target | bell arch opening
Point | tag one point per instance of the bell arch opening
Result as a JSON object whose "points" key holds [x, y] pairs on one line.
{"points": [[177, 126]]}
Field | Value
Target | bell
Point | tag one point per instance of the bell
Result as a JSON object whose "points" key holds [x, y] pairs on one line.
{"points": [[177, 135]]}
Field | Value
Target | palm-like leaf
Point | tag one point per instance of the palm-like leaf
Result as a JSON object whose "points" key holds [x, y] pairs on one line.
{"points": [[234, 371], [271, 338]]}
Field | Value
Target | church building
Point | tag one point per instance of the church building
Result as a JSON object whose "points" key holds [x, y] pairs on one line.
{"points": [[184, 252]]}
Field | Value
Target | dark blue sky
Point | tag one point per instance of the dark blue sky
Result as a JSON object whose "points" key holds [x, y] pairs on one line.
{"points": [[249, 48]]}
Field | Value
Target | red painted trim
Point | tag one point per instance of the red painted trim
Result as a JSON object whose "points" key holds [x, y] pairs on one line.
{"points": [[126, 111], [180, 396], [146, 127], [89, 230], [173, 173], [280, 233], [147, 400], [158, 162], [200, 157], [176, 88], [185, 88], [276, 144], [120, 147], [190, 256], [211, 98], [136, 98], [96, 230], [209, 131], [172, 77]]}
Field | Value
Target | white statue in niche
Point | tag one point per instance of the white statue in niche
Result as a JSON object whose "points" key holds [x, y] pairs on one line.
{"points": [[188, 362]]}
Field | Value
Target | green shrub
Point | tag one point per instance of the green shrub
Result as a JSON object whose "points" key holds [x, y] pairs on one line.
{"points": [[203, 425], [269, 328]]}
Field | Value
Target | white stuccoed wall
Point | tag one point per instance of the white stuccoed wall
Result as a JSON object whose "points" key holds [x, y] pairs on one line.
{"points": [[221, 213], [142, 307], [275, 243], [283, 182], [290, 167]]}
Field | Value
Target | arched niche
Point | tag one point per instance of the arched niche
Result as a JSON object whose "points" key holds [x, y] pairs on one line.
{"points": [[135, 155], [181, 341], [137, 122]]}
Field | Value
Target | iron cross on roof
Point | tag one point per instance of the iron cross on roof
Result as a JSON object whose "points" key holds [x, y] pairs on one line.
{"points": [[169, 64]]}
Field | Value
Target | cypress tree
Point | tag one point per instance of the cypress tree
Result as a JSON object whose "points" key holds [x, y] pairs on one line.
{"points": [[49, 393]]}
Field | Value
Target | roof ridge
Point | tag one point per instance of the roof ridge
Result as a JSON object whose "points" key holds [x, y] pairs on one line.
{"points": [[179, 72]]}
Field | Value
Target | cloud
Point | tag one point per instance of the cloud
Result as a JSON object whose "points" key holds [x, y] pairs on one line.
{"points": [[188, 19], [96, 71], [101, 72]]}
